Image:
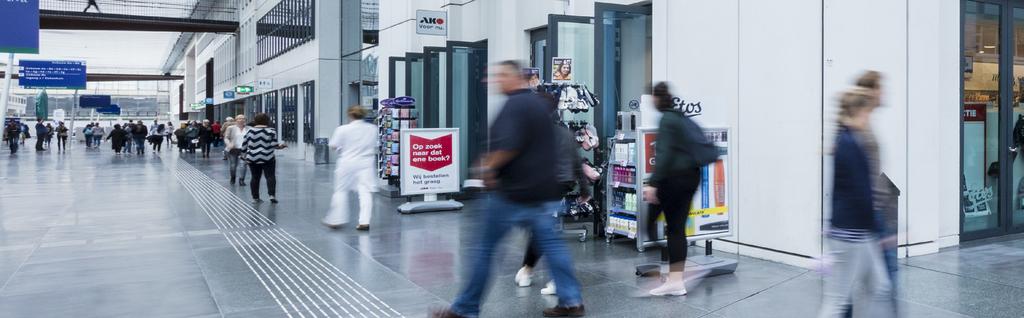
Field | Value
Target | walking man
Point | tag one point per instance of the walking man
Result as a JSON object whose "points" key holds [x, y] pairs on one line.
{"points": [[519, 169]]}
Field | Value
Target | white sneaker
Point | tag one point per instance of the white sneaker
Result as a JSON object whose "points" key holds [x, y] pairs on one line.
{"points": [[523, 278], [670, 289], [549, 289]]}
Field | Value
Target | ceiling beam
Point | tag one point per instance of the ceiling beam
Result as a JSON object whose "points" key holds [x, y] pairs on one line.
{"points": [[64, 20]]}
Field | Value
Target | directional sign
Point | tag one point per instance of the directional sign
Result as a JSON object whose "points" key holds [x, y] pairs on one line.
{"points": [[19, 20], [244, 89], [93, 101], [229, 94], [51, 74], [109, 110]]}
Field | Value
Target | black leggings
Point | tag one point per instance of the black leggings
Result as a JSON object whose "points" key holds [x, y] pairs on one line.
{"points": [[258, 170], [62, 142], [675, 195]]}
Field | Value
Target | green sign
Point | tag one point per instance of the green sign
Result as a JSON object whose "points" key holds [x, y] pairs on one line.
{"points": [[198, 106], [243, 89]]}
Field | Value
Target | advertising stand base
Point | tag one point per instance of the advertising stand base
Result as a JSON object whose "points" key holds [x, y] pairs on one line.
{"points": [[429, 206], [708, 265]]}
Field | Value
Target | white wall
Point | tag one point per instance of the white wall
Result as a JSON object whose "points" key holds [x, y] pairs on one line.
{"points": [[949, 119]]}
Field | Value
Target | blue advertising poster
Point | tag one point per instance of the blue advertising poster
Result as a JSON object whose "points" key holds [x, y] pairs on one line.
{"points": [[229, 94], [51, 74], [19, 20], [93, 101]]}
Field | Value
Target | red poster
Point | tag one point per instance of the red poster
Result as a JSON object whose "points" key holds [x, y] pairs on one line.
{"points": [[975, 111], [430, 154], [649, 140]]}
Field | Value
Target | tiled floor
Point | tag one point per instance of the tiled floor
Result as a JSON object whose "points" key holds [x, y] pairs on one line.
{"points": [[90, 234]]}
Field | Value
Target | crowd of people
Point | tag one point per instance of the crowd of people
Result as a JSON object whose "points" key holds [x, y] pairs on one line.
{"points": [[525, 187]]}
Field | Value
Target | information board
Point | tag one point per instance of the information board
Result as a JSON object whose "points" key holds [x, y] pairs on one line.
{"points": [[19, 20], [430, 161], [709, 212], [93, 101], [51, 74]]}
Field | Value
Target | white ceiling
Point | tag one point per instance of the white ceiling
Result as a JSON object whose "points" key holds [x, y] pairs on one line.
{"points": [[128, 52]]}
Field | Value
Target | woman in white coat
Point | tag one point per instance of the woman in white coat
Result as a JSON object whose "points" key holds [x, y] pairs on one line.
{"points": [[356, 144]]}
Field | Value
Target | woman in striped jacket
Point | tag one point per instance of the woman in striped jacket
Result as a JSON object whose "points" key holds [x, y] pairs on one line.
{"points": [[259, 144]]}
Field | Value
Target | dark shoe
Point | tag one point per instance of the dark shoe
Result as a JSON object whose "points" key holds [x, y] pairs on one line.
{"points": [[273, 200], [363, 227], [560, 311], [232, 181], [241, 182], [257, 200], [445, 313]]}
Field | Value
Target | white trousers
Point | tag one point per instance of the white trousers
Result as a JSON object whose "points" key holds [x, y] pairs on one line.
{"points": [[344, 182], [857, 263]]}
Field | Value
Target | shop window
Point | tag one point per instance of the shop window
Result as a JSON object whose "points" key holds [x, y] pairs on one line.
{"points": [[289, 114], [309, 112], [270, 106]]}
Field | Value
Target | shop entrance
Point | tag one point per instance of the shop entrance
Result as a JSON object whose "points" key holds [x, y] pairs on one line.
{"points": [[992, 122], [454, 94], [623, 55]]}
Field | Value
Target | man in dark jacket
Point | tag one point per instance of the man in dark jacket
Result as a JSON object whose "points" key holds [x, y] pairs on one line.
{"points": [[41, 132], [520, 171], [139, 132]]}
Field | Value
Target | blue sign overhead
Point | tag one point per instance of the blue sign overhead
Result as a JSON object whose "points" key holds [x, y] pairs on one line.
{"points": [[51, 74], [19, 20], [209, 101], [229, 94], [93, 101], [109, 110]]}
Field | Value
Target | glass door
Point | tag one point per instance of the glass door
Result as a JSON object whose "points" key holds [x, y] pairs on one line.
{"points": [[467, 99], [623, 55], [992, 122], [435, 80], [414, 83]]}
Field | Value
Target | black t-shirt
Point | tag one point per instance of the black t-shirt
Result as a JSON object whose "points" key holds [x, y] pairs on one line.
{"points": [[524, 126]]}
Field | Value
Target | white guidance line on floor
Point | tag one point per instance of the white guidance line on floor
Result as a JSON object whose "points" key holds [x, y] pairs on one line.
{"points": [[301, 281]]}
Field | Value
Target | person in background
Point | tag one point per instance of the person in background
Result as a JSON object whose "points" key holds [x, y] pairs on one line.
{"points": [[259, 145], [228, 122], [156, 136], [41, 132], [24, 133], [139, 133], [234, 136], [357, 150], [169, 134], [62, 137], [130, 129], [681, 144], [118, 137], [97, 133], [518, 168], [12, 135], [182, 137], [49, 135], [206, 138], [87, 133], [853, 230], [215, 131], [191, 136]]}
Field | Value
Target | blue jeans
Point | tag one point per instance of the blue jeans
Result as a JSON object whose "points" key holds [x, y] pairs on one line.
{"points": [[499, 216]]}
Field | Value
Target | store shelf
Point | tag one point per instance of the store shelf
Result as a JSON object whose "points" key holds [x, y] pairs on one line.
{"points": [[624, 186], [623, 233], [624, 164]]}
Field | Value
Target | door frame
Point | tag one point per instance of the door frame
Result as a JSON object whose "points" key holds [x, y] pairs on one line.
{"points": [[553, 20], [431, 118], [603, 120], [1007, 45], [392, 61]]}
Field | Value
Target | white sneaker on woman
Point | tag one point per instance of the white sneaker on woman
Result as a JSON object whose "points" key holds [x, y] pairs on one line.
{"points": [[673, 288], [549, 289], [523, 278]]}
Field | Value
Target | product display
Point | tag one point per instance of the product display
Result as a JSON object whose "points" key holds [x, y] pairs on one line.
{"points": [[394, 115], [572, 97]]}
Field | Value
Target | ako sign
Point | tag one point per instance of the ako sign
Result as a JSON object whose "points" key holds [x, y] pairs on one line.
{"points": [[430, 161]]}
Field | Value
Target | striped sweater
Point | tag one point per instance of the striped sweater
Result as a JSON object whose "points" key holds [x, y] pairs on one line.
{"points": [[259, 145]]}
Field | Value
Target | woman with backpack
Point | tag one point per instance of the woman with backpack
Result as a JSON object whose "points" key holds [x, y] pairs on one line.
{"points": [[682, 150], [87, 133]]}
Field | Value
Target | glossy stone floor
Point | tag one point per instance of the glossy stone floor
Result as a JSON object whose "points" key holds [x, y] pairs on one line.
{"points": [[90, 234]]}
